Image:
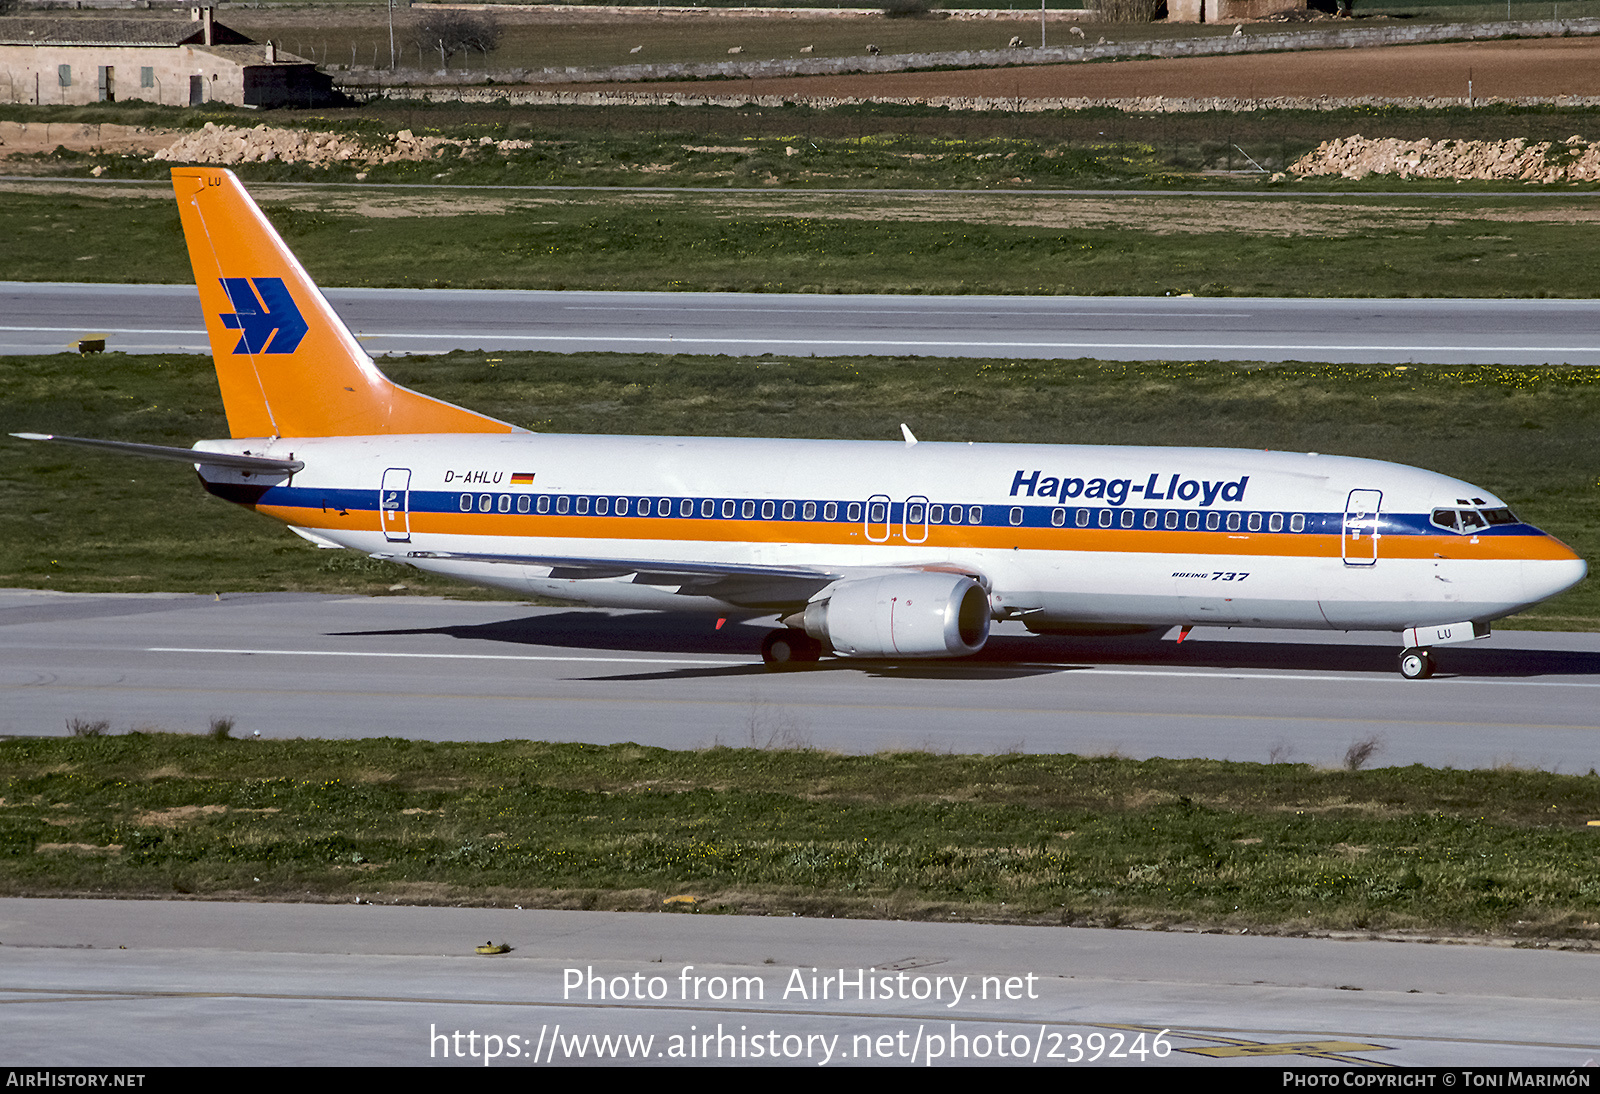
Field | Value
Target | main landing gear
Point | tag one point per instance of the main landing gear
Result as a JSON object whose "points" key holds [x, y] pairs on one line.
{"points": [[782, 649], [1416, 664]]}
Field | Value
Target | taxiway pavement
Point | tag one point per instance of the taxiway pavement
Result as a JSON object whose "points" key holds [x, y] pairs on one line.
{"points": [[50, 317], [132, 984], [309, 665]]}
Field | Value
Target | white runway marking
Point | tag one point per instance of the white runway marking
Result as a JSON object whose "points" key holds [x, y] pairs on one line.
{"points": [[985, 343], [1219, 674], [445, 656], [98, 330]]}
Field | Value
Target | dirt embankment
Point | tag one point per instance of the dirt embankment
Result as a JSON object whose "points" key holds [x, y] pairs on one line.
{"points": [[1518, 160], [226, 144], [32, 138], [1571, 160]]}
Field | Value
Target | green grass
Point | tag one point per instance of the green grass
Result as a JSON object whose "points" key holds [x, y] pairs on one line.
{"points": [[869, 147], [81, 521], [784, 242], [1052, 839]]}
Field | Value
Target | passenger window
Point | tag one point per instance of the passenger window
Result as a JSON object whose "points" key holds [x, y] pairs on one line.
{"points": [[853, 511], [1191, 520], [466, 503], [767, 510], [808, 511], [686, 508], [955, 514], [1083, 518], [708, 508], [1297, 523], [1058, 517], [935, 514], [1127, 518], [1255, 522], [485, 503], [522, 503], [1172, 518], [583, 506], [1233, 522], [1151, 517], [728, 508], [622, 507], [602, 506], [544, 503], [747, 510], [913, 513], [1105, 518], [1275, 524], [879, 512], [1213, 521], [664, 507], [1016, 514], [504, 504], [830, 510], [974, 514]]}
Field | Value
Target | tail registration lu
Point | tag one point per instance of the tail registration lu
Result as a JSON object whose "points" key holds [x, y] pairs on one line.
{"points": [[862, 549]]}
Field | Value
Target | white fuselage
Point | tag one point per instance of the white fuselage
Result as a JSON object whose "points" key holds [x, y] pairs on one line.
{"points": [[1059, 535]]}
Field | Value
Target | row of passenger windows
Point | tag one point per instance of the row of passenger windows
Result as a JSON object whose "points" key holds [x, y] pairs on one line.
{"points": [[877, 512], [729, 508]]}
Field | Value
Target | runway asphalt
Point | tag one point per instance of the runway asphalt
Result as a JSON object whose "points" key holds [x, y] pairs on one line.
{"points": [[48, 318], [126, 985], [326, 666]]}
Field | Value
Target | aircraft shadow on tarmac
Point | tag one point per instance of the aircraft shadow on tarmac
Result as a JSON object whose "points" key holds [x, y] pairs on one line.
{"points": [[1005, 656]]}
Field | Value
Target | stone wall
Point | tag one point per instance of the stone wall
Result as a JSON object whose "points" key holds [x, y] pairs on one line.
{"points": [[1147, 104]]}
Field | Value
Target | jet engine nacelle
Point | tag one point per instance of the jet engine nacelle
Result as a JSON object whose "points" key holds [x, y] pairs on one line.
{"points": [[913, 614]]}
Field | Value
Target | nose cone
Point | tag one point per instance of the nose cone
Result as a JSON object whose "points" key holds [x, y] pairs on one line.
{"points": [[1553, 574]]}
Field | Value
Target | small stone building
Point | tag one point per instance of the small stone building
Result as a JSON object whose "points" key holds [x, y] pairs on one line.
{"points": [[49, 60]]}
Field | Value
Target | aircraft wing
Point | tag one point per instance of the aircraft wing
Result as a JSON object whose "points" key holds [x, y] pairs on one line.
{"points": [[749, 585]]}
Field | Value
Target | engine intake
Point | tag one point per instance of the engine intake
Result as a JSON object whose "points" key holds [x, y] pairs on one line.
{"points": [[903, 615]]}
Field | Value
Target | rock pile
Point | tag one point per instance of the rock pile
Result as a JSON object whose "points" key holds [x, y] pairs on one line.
{"points": [[1571, 160], [227, 144]]}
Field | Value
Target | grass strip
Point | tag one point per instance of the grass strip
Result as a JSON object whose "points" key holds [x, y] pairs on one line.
{"points": [[1055, 839], [90, 522], [865, 242]]}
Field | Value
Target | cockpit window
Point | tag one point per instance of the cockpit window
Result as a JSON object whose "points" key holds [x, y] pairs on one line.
{"points": [[1466, 521]]}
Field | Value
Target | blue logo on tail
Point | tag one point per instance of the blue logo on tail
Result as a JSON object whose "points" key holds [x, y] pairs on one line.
{"points": [[274, 311]]}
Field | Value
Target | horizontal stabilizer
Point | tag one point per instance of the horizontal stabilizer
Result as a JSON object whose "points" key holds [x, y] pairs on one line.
{"points": [[181, 455]]}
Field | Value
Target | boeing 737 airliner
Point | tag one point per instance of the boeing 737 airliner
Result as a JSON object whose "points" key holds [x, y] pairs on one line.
{"points": [[865, 549]]}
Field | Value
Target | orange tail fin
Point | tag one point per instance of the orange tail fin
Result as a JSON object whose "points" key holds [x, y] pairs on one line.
{"points": [[286, 363]]}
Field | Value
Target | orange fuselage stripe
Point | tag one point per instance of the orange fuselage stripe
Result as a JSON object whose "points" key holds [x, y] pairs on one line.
{"points": [[940, 537]]}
